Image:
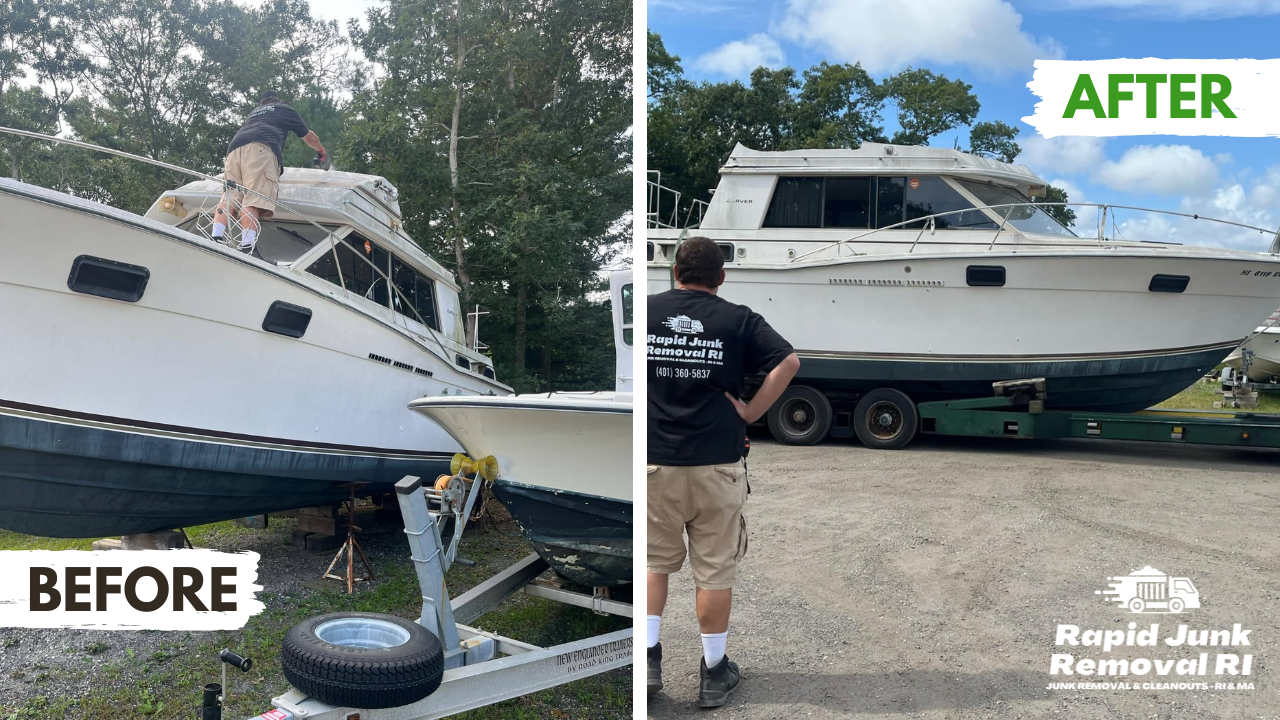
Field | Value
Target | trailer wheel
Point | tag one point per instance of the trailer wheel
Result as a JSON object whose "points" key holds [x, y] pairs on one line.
{"points": [[1176, 605], [362, 660], [802, 416], [1137, 605], [885, 419]]}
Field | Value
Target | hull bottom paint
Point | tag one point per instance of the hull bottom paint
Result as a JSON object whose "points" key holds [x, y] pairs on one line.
{"points": [[61, 479], [1125, 384], [586, 539]]}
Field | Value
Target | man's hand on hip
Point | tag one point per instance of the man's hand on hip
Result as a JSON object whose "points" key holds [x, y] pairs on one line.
{"points": [[741, 407]]}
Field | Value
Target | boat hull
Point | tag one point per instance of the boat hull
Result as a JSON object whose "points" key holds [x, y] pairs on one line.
{"points": [[180, 406], [1085, 319], [70, 478], [585, 539], [1265, 364], [564, 463]]}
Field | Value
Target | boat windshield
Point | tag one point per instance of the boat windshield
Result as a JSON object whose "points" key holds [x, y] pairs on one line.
{"points": [[1027, 218], [280, 241]]}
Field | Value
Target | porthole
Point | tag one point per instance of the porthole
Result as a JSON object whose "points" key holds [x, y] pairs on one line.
{"points": [[287, 319], [985, 275], [1169, 283]]}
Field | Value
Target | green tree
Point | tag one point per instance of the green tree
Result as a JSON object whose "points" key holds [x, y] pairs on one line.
{"points": [[994, 140], [1061, 213], [505, 125]]}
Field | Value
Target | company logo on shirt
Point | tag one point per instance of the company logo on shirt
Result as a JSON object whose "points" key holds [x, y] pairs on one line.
{"points": [[684, 324]]}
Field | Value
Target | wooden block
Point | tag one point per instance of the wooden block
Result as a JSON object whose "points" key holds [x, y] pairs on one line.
{"points": [[163, 540], [322, 525], [324, 543], [299, 538], [320, 511], [107, 544]]}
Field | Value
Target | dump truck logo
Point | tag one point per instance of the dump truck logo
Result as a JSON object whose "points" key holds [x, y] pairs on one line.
{"points": [[1150, 591], [684, 324]]}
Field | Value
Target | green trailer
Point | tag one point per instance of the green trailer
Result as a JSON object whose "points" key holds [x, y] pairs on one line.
{"points": [[1017, 411]]}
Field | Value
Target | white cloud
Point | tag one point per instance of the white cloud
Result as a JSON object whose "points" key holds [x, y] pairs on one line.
{"points": [[1159, 170], [1067, 154], [1250, 202], [886, 35], [739, 57], [1181, 9]]}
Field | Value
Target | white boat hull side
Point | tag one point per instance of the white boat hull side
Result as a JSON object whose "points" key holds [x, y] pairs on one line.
{"points": [[1265, 365], [571, 442], [1052, 306], [192, 353]]}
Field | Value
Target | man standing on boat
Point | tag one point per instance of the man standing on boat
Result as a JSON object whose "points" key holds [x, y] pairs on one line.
{"points": [[701, 349], [254, 162]]}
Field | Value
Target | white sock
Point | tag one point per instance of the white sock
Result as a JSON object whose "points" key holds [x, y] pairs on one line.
{"points": [[248, 238], [654, 627], [713, 647], [219, 229]]}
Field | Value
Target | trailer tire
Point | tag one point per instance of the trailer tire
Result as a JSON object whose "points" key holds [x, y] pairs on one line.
{"points": [[362, 660], [1177, 605], [885, 419], [801, 416]]}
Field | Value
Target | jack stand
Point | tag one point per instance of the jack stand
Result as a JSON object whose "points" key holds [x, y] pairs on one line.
{"points": [[350, 548]]}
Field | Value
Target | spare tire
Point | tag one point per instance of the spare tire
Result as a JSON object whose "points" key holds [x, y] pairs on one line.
{"points": [[362, 660]]}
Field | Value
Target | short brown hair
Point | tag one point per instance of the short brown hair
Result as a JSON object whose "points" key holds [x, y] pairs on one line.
{"points": [[699, 262]]}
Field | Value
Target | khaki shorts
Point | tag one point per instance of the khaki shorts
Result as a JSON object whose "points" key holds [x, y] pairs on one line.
{"points": [[704, 501], [254, 166]]}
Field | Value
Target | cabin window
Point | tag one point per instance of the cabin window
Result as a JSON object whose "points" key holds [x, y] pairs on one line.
{"points": [[488, 372], [848, 202], [287, 319], [364, 280], [1169, 283], [414, 293], [889, 200], [279, 241], [628, 310], [796, 203], [1025, 215], [926, 196], [462, 362], [985, 275], [108, 278], [649, 249], [726, 251]]}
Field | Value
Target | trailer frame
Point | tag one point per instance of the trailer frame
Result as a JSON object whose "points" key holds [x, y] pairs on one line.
{"points": [[481, 668], [1018, 411]]}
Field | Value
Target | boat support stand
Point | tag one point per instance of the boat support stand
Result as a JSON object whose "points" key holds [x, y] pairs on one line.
{"points": [[481, 668]]}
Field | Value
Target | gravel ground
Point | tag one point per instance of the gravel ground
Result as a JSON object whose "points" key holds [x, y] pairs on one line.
{"points": [[157, 675], [930, 582]]}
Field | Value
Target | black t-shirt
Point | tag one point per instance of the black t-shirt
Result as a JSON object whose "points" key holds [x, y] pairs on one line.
{"points": [[270, 125], [700, 347]]}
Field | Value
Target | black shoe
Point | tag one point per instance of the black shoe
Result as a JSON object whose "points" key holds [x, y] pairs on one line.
{"points": [[655, 668], [717, 683]]}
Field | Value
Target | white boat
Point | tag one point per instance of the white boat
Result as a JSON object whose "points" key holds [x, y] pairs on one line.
{"points": [[1264, 346], [564, 462], [929, 273], [152, 378]]}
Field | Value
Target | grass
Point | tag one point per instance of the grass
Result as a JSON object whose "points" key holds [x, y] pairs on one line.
{"points": [[1202, 395], [166, 684]]}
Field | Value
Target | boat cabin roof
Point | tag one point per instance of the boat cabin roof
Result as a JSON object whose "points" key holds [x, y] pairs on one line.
{"points": [[366, 202], [880, 159]]}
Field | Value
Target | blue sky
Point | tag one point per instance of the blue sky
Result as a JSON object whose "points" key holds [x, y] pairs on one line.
{"points": [[992, 44]]}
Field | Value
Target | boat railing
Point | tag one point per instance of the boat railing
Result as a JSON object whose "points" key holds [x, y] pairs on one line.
{"points": [[663, 207], [205, 219], [929, 224]]}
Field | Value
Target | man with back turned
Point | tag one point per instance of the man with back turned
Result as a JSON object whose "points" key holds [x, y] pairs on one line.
{"points": [[701, 349]]}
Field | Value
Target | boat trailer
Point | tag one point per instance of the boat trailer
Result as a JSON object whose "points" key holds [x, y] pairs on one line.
{"points": [[480, 668], [1017, 410]]}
